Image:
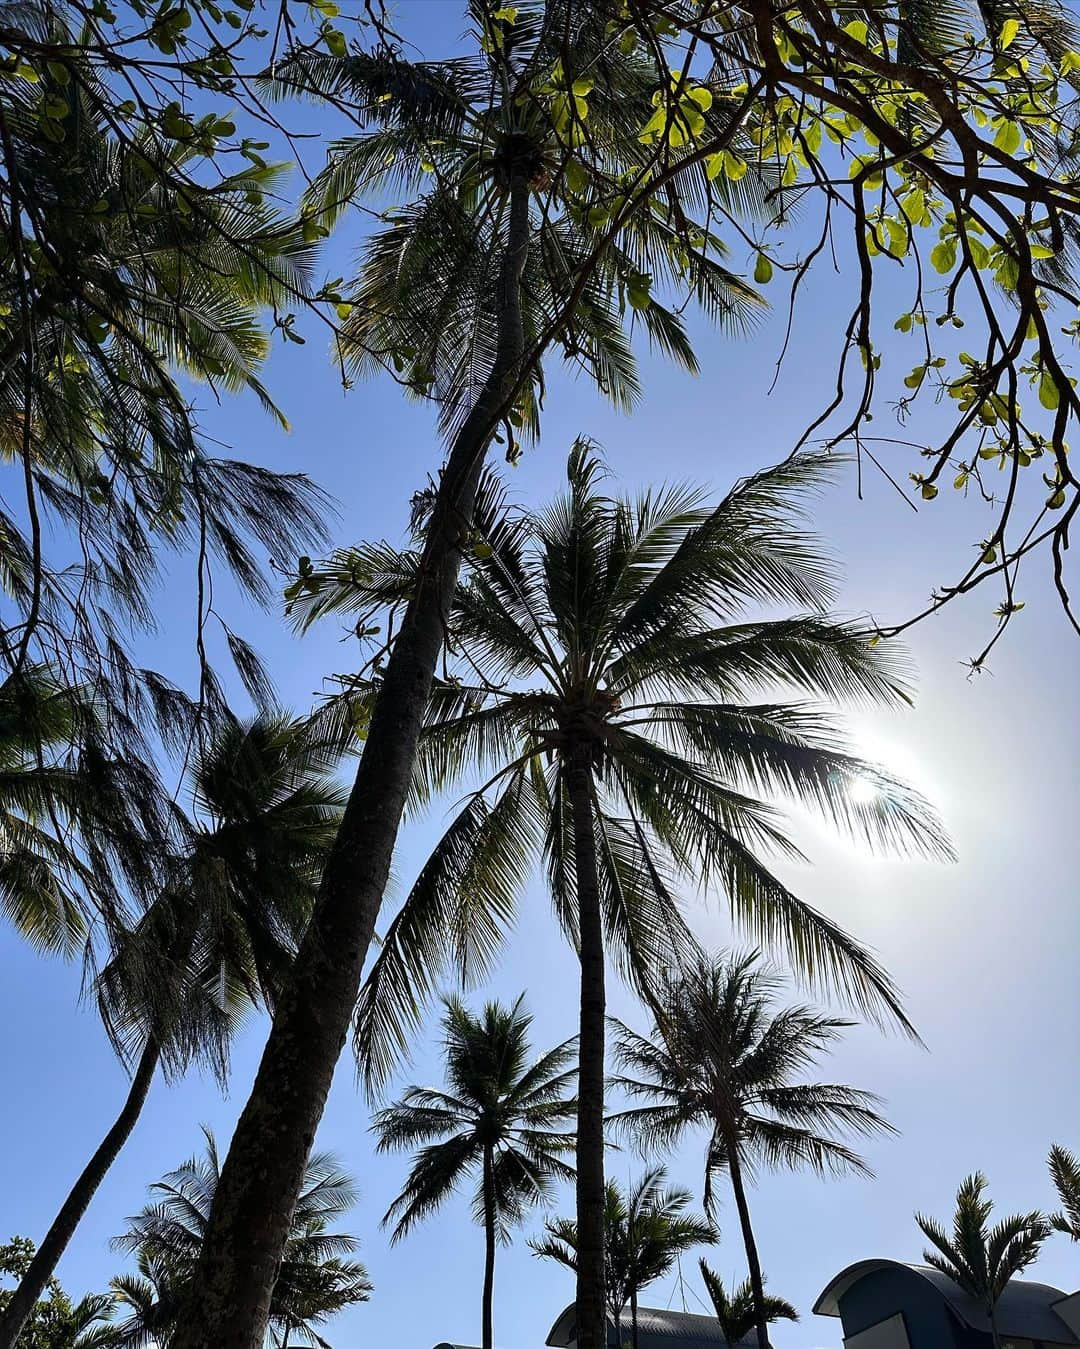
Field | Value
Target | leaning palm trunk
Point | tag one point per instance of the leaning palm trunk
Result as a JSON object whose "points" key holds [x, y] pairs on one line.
{"points": [[591, 1315], [47, 1256], [249, 1222], [753, 1264]]}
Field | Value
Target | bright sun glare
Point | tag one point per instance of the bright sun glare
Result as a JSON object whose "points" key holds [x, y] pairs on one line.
{"points": [[863, 791]]}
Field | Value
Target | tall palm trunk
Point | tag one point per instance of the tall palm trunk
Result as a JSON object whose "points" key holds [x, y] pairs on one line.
{"points": [[757, 1284], [35, 1280], [633, 1318], [995, 1334], [591, 1305], [487, 1332], [230, 1295]]}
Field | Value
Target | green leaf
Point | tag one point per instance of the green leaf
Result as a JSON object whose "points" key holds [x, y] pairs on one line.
{"points": [[1009, 30], [1049, 394], [943, 256], [1008, 137]]}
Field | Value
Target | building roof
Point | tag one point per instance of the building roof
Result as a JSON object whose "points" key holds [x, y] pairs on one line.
{"points": [[656, 1330], [1025, 1309]]}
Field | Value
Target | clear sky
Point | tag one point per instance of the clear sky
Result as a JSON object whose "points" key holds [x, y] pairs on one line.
{"points": [[985, 949]]}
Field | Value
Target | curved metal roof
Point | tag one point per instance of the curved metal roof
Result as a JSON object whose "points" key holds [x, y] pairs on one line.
{"points": [[1025, 1309], [656, 1330]]}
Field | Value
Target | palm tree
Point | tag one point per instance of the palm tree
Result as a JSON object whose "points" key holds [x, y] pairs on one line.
{"points": [[532, 217], [723, 1058], [1065, 1173], [737, 1312], [645, 1231], [982, 1260], [217, 941], [496, 1122], [603, 689], [317, 1278]]}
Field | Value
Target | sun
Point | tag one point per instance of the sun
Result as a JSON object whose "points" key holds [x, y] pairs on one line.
{"points": [[863, 791]]}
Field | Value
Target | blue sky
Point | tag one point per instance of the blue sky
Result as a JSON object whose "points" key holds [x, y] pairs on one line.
{"points": [[984, 949]]}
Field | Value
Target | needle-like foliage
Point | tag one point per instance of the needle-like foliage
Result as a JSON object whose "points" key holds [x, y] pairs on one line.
{"points": [[724, 1059], [980, 1258], [318, 1277], [499, 1122]]}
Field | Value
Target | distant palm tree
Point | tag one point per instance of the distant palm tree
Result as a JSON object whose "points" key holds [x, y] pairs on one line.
{"points": [[722, 1057], [317, 1279], [498, 1121], [645, 1232], [1065, 1173], [218, 939], [736, 1311], [982, 1260]]}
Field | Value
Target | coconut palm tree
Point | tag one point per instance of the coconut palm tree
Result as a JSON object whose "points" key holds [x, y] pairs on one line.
{"points": [[497, 1122], [603, 687], [724, 1058], [736, 1311], [1065, 1173], [646, 1229], [531, 217], [317, 1278], [217, 941], [979, 1258]]}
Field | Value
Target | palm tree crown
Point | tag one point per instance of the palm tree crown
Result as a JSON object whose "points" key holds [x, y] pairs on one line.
{"points": [[546, 95], [495, 1100], [619, 629], [646, 1229], [735, 1310], [264, 810], [982, 1259], [317, 1278], [498, 1121], [723, 1058], [1065, 1173], [720, 1057]]}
